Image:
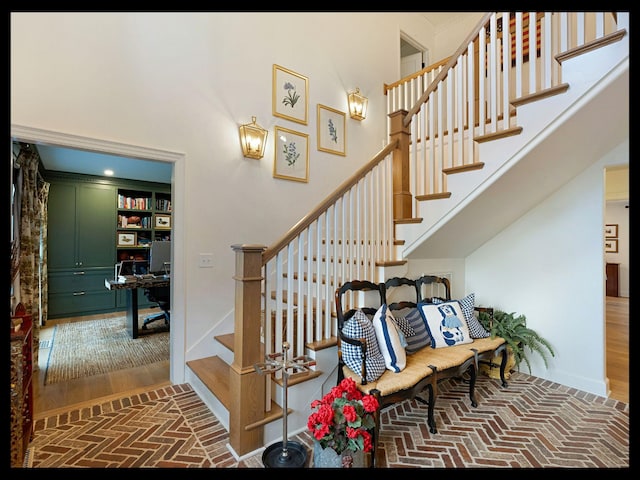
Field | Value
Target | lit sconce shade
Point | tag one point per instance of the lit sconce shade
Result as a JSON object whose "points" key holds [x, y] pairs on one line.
{"points": [[358, 105], [253, 139]]}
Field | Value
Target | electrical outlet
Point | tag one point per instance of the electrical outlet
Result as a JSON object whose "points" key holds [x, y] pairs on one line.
{"points": [[205, 260]]}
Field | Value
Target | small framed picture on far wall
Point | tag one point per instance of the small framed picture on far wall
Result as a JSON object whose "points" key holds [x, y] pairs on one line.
{"points": [[611, 245], [611, 230]]}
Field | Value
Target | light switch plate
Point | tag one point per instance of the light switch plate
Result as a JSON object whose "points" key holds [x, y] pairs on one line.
{"points": [[205, 260]]}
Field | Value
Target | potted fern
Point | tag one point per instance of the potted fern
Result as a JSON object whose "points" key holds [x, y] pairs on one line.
{"points": [[521, 340]]}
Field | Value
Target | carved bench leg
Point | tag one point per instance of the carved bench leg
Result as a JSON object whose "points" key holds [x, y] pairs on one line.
{"points": [[503, 365], [430, 403], [472, 380], [430, 419], [472, 385], [376, 428], [433, 394]]}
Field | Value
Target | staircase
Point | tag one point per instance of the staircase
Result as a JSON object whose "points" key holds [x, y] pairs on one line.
{"points": [[464, 135]]}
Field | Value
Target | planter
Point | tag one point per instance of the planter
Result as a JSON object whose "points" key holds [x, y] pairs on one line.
{"points": [[329, 458], [492, 368]]}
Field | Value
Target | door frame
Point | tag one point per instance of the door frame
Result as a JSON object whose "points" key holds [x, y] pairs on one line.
{"points": [[177, 334]]}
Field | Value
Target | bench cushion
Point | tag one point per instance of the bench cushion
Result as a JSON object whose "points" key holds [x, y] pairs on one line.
{"points": [[487, 344], [415, 370]]}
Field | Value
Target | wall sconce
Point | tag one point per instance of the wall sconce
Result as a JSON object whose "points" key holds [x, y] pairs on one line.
{"points": [[358, 105], [253, 139]]}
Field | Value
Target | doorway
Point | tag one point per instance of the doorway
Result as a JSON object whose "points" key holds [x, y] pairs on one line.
{"points": [[135, 153], [617, 291], [413, 56]]}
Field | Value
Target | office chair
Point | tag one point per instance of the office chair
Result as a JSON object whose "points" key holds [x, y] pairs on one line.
{"points": [[160, 296]]}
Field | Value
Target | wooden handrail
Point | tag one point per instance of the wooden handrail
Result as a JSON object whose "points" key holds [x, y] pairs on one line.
{"points": [[445, 71], [417, 74], [271, 252]]}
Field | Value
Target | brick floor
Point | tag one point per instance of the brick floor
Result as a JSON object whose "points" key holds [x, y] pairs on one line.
{"points": [[533, 423]]}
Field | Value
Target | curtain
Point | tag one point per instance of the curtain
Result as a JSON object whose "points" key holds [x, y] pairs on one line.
{"points": [[32, 238]]}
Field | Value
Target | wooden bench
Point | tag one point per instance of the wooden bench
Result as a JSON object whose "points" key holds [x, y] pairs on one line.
{"points": [[424, 368]]}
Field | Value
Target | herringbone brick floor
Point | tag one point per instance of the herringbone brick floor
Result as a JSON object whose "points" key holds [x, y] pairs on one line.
{"points": [[533, 423]]}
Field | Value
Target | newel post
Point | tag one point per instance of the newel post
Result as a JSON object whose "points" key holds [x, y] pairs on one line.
{"points": [[246, 386], [402, 198]]}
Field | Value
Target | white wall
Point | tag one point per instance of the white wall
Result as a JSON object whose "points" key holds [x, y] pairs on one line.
{"points": [[182, 83], [549, 266]]}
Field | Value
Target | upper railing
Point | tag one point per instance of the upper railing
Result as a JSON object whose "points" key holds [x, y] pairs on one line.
{"points": [[471, 95]]}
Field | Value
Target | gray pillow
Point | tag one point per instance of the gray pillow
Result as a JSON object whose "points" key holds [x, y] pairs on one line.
{"points": [[421, 337]]}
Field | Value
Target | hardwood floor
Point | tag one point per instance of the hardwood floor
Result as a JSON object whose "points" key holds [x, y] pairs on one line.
{"points": [[617, 354], [52, 399]]}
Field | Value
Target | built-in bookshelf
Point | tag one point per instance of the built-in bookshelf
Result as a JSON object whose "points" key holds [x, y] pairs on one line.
{"points": [[143, 216]]}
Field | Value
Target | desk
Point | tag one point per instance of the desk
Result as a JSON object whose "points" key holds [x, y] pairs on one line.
{"points": [[132, 297]]}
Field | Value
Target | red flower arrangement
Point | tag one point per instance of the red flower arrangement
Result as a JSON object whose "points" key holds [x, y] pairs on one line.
{"points": [[343, 418]]}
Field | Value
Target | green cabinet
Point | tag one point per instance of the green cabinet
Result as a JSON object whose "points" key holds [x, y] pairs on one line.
{"points": [[80, 247], [92, 225], [80, 292], [80, 226]]}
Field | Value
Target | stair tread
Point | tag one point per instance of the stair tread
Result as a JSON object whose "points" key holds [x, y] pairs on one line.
{"points": [[214, 373], [507, 132], [228, 341]]}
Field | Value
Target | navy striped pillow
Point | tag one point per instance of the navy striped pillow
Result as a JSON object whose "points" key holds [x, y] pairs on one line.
{"points": [[421, 337]]}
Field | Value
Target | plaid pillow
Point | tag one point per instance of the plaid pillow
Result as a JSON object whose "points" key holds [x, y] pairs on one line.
{"points": [[359, 326], [404, 326]]}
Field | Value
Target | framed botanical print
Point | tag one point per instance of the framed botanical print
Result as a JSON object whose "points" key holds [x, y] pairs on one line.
{"points": [[331, 130], [290, 95], [291, 159]]}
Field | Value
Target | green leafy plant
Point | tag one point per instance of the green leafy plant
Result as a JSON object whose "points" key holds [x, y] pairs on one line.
{"points": [[520, 338]]}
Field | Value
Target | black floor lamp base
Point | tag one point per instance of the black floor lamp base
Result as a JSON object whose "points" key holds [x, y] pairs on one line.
{"points": [[295, 456]]}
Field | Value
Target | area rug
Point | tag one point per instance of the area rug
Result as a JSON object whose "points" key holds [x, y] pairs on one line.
{"points": [[92, 347]]}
